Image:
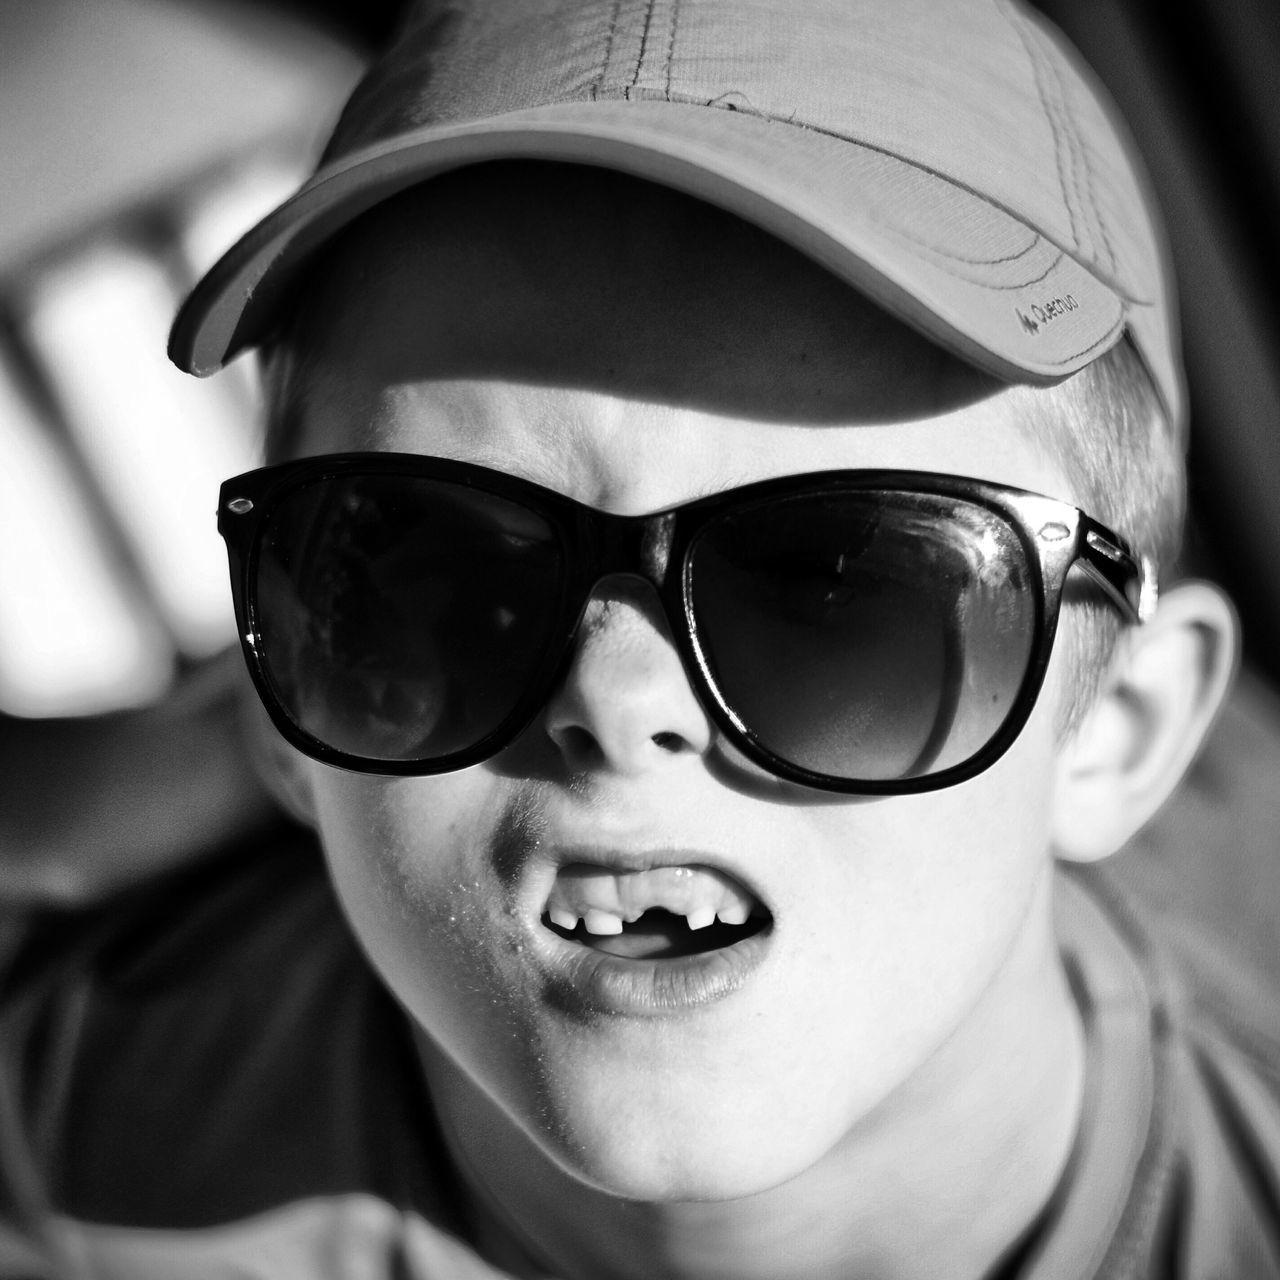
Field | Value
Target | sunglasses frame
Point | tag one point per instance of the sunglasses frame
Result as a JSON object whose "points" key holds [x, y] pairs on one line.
{"points": [[656, 548]]}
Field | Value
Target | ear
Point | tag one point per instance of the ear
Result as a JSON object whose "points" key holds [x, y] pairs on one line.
{"points": [[282, 769], [1165, 685]]}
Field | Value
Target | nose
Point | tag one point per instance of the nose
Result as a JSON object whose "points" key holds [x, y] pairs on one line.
{"points": [[626, 705]]}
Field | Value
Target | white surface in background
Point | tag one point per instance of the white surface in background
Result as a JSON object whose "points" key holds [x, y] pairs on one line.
{"points": [[226, 210], [71, 638], [169, 127], [220, 215], [158, 442]]}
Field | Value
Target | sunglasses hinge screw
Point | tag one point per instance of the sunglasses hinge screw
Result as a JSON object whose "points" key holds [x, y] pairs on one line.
{"points": [[1103, 547]]}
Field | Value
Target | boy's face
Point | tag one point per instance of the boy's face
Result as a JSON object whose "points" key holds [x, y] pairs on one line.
{"points": [[608, 350]]}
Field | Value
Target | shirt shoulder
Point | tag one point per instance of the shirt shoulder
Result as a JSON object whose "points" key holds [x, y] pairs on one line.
{"points": [[210, 1058], [1201, 1081]]}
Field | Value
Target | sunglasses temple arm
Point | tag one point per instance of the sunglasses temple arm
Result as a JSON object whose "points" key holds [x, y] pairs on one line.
{"points": [[1129, 583]]}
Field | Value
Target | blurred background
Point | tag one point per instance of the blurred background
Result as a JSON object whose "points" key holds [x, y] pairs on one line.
{"points": [[139, 137]]}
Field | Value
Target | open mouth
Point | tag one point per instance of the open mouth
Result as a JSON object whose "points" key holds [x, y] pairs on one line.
{"points": [[663, 913]]}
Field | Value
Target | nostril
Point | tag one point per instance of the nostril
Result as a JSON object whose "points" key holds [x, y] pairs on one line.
{"points": [[577, 743], [668, 741]]}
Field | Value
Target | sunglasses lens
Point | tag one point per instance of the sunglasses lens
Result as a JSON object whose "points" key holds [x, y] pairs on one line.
{"points": [[871, 637], [402, 618]]}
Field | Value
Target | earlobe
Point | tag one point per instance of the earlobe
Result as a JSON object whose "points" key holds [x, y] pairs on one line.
{"points": [[1156, 704], [281, 768]]}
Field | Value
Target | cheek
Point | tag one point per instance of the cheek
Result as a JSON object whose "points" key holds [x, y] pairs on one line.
{"points": [[409, 860], [935, 897]]}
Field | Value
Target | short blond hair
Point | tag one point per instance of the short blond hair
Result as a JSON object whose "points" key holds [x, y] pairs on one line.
{"points": [[1107, 429]]}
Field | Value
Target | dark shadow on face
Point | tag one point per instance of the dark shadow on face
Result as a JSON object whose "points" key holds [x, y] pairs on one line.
{"points": [[575, 277]]}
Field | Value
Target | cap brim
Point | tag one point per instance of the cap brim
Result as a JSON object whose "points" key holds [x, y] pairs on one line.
{"points": [[969, 274]]}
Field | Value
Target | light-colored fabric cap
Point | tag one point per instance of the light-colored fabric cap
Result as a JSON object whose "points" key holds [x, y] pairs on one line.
{"points": [[950, 158]]}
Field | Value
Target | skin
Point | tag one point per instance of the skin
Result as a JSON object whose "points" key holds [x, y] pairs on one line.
{"points": [[894, 1091]]}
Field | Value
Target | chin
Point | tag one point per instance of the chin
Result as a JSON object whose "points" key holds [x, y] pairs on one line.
{"points": [[701, 1149], [679, 1174]]}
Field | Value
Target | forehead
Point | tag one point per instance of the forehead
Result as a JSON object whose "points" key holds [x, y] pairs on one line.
{"points": [[558, 320]]}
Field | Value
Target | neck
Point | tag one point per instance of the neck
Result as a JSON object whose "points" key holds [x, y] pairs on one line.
{"points": [[944, 1178]]}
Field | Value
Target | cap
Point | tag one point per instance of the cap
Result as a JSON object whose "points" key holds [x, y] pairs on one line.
{"points": [[951, 159]]}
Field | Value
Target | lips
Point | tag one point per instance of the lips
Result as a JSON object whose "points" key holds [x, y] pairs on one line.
{"points": [[643, 939]]}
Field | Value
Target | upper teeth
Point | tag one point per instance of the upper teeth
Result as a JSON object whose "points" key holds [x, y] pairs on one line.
{"points": [[604, 900]]}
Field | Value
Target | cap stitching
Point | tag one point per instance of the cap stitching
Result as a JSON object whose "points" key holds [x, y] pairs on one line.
{"points": [[1069, 140], [610, 37], [908, 238], [644, 49], [1070, 133], [1099, 242], [1090, 189], [755, 112], [1019, 28], [1064, 154], [961, 258], [1115, 325], [671, 44]]}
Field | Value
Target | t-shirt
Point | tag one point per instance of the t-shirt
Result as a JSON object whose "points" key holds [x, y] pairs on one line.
{"points": [[206, 1079]]}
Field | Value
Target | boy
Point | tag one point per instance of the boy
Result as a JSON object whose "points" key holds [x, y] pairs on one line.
{"points": [[687, 421]]}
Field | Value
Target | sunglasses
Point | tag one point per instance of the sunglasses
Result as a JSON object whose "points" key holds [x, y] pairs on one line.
{"points": [[864, 632]]}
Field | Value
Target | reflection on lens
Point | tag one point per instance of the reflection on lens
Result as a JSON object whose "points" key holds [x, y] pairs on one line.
{"points": [[401, 618], [869, 636]]}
